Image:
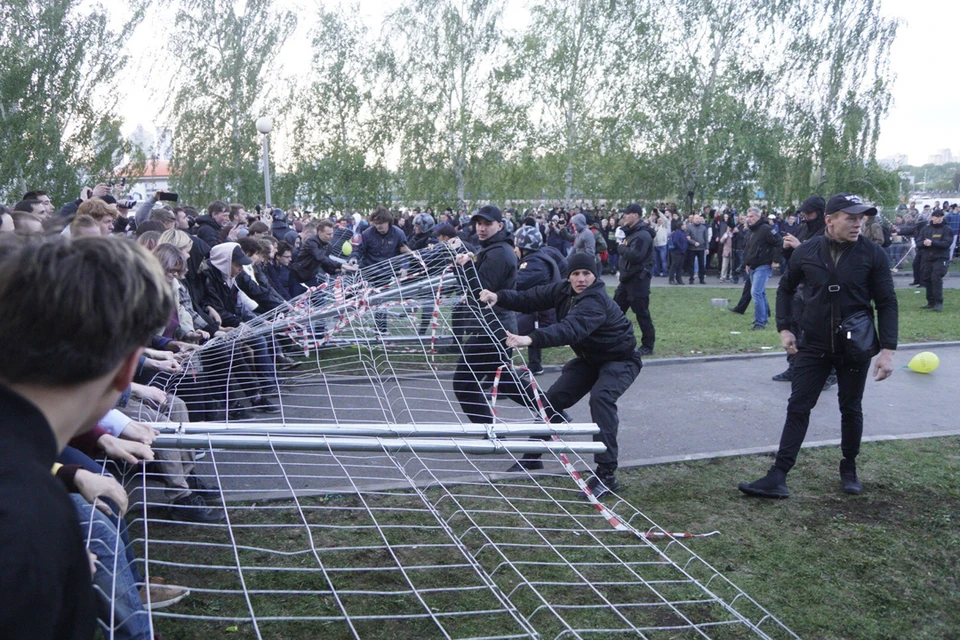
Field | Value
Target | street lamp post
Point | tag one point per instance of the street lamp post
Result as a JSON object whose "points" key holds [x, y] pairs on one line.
{"points": [[265, 126]]}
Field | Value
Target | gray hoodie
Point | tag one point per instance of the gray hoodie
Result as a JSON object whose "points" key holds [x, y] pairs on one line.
{"points": [[584, 242]]}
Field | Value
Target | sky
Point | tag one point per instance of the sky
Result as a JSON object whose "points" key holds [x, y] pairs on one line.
{"points": [[924, 116]]}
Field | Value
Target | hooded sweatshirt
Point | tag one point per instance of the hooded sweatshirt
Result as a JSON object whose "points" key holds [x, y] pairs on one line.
{"points": [[584, 242]]}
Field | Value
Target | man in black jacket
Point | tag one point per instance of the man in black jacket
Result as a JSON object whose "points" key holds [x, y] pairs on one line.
{"points": [[496, 269], [314, 257], [607, 361], [636, 269], [758, 256], [934, 242], [209, 226], [842, 273]]}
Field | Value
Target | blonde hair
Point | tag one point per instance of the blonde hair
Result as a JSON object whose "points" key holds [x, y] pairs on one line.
{"points": [[180, 239]]}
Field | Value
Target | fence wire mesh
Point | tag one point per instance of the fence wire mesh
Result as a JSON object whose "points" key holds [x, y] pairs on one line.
{"points": [[394, 542]]}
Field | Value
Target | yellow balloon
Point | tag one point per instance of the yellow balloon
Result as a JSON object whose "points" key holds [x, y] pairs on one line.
{"points": [[925, 362], [347, 248]]}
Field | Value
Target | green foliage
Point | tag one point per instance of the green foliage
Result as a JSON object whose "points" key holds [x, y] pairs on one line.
{"points": [[55, 58], [227, 58]]}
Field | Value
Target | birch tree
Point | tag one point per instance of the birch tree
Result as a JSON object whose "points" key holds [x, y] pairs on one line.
{"points": [[60, 66], [227, 52]]}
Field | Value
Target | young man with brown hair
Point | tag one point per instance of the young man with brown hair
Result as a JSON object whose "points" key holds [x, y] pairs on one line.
{"points": [[83, 309]]}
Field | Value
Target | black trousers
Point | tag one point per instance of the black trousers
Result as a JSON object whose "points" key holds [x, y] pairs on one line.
{"points": [[698, 256], [810, 371], [931, 276], [474, 377], [640, 305], [605, 383], [676, 266], [746, 297]]}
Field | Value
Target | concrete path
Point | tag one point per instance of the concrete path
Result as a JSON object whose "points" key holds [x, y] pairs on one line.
{"points": [[707, 407]]}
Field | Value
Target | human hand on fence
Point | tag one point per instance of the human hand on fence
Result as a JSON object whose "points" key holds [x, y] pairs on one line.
{"points": [[513, 340], [488, 297], [92, 486]]}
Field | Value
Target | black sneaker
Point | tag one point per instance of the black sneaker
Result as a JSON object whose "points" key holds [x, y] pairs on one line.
{"points": [[848, 477], [192, 508], [601, 487], [758, 327], [525, 465], [786, 376], [208, 490], [772, 485], [735, 310], [537, 372], [646, 351], [938, 307], [263, 404]]}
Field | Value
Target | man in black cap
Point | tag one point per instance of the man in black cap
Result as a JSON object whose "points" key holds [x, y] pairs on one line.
{"points": [[811, 225], [636, 269], [842, 273], [934, 242], [496, 269], [607, 361]]}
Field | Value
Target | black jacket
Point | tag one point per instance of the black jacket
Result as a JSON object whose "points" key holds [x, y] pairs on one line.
{"points": [[44, 572], [313, 256], [208, 230], [804, 231], [536, 268], [637, 255], [763, 246], [225, 300], [497, 268], [591, 323], [863, 275], [940, 237], [420, 241]]}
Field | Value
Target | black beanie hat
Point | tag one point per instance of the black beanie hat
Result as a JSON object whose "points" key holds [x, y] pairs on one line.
{"points": [[582, 261]]}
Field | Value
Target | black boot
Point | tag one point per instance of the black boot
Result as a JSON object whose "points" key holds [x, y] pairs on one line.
{"points": [[602, 484], [529, 462], [772, 485], [848, 477], [786, 376]]}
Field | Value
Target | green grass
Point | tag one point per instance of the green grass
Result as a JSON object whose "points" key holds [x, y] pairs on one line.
{"points": [[882, 565], [689, 325]]}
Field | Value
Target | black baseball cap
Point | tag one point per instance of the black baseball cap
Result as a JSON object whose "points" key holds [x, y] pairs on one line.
{"points": [[490, 212], [849, 203], [813, 204], [938, 213], [239, 257], [632, 208]]}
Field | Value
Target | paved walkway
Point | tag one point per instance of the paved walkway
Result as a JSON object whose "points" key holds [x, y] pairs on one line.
{"points": [[708, 407]]}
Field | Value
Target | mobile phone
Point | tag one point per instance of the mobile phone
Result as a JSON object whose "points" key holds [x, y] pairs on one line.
{"points": [[167, 196]]}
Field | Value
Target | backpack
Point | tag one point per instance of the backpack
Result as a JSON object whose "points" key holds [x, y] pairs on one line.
{"points": [[600, 241]]}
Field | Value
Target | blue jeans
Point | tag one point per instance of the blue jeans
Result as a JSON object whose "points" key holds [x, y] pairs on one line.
{"points": [[758, 284], [118, 600], [660, 265]]}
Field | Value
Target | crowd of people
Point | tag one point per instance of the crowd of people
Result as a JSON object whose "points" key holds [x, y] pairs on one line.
{"points": [[100, 322]]}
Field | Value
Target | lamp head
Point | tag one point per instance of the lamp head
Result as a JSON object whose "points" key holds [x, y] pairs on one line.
{"points": [[264, 125]]}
